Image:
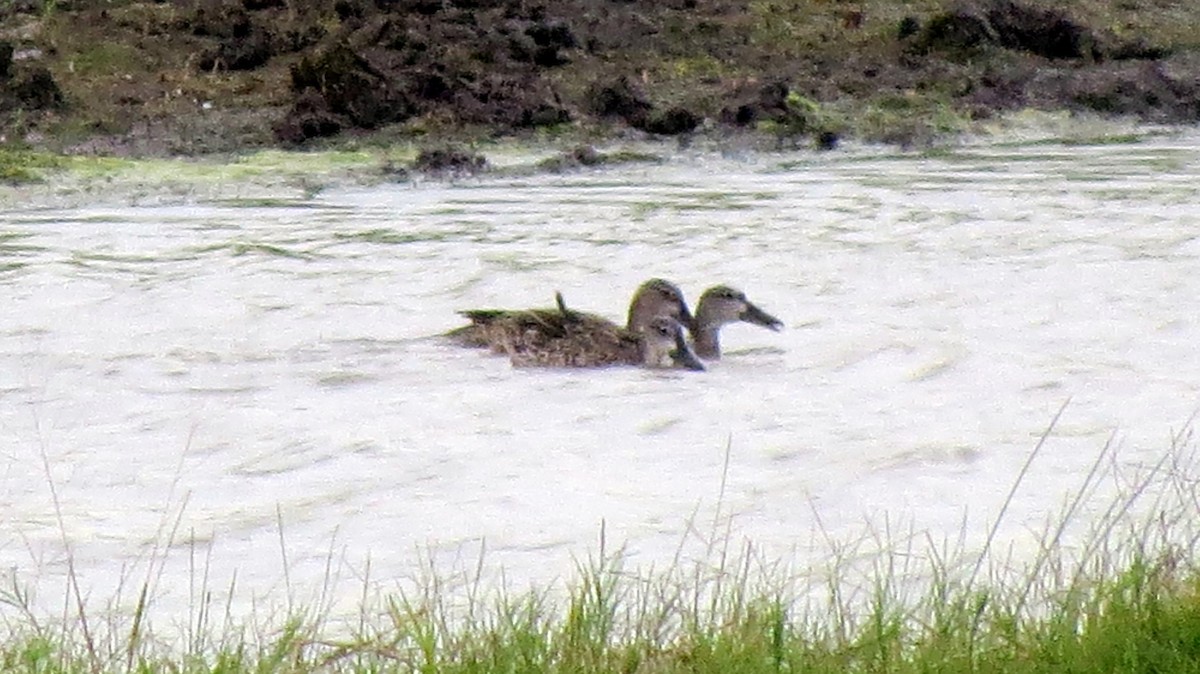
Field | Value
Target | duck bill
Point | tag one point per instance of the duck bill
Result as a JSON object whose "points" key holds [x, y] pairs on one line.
{"points": [[752, 314], [683, 356]]}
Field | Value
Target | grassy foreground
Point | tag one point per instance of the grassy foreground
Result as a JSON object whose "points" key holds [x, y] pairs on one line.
{"points": [[1124, 597]]}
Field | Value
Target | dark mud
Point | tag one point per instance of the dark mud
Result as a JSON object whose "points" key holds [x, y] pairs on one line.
{"points": [[219, 75], [26, 89]]}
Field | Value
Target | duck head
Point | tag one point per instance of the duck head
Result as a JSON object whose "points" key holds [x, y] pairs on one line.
{"points": [[720, 305], [664, 344], [657, 297]]}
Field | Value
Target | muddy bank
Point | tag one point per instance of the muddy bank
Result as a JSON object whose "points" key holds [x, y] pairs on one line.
{"points": [[201, 76]]}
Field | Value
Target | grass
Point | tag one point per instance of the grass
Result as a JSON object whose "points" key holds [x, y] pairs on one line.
{"points": [[23, 166], [907, 121], [1124, 597]]}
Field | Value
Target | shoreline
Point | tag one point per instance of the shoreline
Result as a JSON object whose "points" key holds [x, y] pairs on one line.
{"points": [[265, 171], [146, 80]]}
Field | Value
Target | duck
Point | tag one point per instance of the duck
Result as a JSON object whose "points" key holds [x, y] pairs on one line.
{"points": [[488, 327], [718, 306], [721, 305], [657, 297], [581, 340], [563, 337]]}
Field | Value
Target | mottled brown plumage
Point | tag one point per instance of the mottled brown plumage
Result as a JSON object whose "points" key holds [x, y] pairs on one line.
{"points": [[577, 339], [488, 327], [562, 337], [586, 343]]}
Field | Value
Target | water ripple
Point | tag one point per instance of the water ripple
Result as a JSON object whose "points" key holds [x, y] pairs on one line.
{"points": [[277, 360]]}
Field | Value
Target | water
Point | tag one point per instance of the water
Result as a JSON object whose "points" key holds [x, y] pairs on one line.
{"points": [[249, 393]]}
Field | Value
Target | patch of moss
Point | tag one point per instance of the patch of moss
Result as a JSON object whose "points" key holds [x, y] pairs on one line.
{"points": [[23, 166], [110, 58], [908, 120], [96, 166]]}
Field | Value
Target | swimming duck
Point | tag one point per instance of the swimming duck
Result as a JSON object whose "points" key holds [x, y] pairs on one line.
{"points": [[563, 337], [656, 297], [579, 339], [719, 305]]}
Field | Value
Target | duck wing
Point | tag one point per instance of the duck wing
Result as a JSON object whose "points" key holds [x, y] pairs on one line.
{"points": [[577, 339]]}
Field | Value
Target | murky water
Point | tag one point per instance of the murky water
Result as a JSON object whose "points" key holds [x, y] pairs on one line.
{"points": [[253, 389]]}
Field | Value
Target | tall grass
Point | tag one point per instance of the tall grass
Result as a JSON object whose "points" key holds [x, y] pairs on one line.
{"points": [[1124, 596]]}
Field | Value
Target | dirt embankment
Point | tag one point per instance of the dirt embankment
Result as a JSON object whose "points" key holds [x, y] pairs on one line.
{"points": [[192, 76]]}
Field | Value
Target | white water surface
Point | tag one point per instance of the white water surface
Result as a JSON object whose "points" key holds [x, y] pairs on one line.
{"points": [[249, 395]]}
